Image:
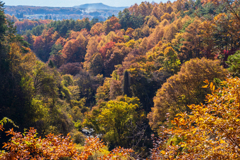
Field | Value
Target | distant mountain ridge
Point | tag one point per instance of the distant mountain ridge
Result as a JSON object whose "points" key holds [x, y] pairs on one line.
{"points": [[99, 6]]}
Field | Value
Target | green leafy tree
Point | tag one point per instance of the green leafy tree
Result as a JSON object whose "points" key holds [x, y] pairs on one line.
{"points": [[171, 62], [128, 20], [116, 120], [234, 63], [55, 49]]}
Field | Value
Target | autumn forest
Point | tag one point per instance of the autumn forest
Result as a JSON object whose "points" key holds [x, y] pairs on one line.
{"points": [[156, 81]]}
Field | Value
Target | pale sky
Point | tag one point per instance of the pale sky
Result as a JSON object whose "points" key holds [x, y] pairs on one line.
{"points": [[71, 3]]}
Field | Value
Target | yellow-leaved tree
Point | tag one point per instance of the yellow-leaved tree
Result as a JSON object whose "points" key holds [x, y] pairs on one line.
{"points": [[116, 120], [210, 131]]}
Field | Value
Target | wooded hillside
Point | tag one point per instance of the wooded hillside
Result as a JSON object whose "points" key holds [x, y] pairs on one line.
{"points": [[160, 79]]}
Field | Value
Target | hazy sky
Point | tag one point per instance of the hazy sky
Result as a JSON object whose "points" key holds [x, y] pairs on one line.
{"points": [[70, 3]]}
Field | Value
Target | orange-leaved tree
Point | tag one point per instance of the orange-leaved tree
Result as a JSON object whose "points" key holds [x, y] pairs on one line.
{"points": [[28, 146], [184, 88], [211, 131]]}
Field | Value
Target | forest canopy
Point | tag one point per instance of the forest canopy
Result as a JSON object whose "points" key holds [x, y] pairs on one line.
{"points": [[157, 81]]}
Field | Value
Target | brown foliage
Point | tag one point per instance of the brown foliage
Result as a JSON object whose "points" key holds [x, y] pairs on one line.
{"points": [[70, 68], [183, 89]]}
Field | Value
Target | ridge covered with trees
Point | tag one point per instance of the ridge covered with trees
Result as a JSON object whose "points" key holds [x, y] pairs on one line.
{"points": [[93, 10], [160, 79]]}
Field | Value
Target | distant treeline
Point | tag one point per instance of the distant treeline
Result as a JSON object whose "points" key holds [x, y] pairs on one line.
{"points": [[41, 10], [21, 11]]}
